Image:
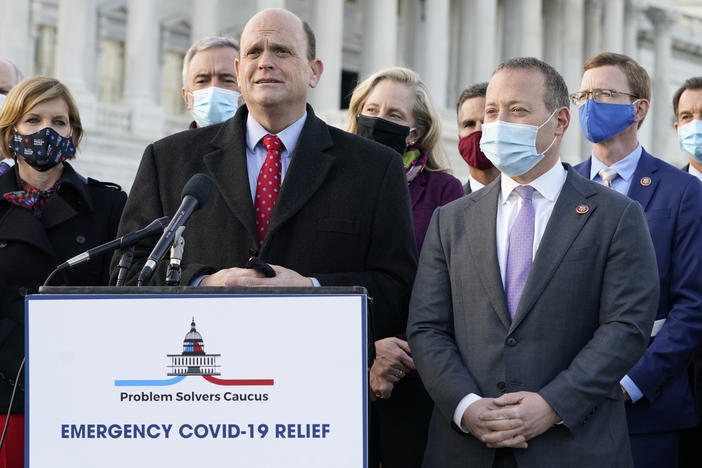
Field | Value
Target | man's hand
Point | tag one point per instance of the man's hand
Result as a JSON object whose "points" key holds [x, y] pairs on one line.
{"points": [[494, 432], [253, 278], [535, 414], [393, 358], [627, 397], [381, 387]]}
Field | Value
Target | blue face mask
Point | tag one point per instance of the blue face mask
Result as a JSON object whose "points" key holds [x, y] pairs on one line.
{"points": [[214, 105], [602, 120], [690, 137], [512, 147]]}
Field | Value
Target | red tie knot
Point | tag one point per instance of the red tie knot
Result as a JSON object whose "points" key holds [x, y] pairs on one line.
{"points": [[272, 142]]}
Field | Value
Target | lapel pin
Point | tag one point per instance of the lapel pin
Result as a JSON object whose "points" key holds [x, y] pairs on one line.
{"points": [[645, 181], [582, 209]]}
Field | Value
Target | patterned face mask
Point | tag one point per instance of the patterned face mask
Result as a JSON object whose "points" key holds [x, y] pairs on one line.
{"points": [[44, 149]]}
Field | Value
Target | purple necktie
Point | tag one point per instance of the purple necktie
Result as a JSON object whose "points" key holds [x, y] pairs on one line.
{"points": [[520, 252]]}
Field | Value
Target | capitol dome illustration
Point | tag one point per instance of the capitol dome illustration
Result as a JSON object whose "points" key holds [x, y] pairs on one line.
{"points": [[193, 360]]}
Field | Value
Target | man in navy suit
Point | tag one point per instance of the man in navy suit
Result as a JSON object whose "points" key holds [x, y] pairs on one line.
{"points": [[614, 99]]}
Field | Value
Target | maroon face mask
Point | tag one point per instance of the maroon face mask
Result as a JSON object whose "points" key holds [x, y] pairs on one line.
{"points": [[469, 147]]}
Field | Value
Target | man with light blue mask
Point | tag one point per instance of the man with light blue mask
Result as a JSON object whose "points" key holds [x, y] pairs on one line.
{"points": [[613, 101], [9, 77], [523, 315], [210, 90], [687, 106]]}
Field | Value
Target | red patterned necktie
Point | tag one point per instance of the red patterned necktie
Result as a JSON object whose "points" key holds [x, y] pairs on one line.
{"points": [[267, 185]]}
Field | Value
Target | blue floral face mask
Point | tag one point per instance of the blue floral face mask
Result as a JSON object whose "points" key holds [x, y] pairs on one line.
{"points": [[602, 120], [690, 138], [511, 147], [44, 149], [214, 105]]}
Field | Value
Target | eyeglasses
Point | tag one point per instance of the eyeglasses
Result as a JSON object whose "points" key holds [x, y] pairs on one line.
{"points": [[579, 98]]}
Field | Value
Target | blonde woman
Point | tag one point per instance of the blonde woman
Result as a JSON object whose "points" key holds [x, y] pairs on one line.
{"points": [[48, 213], [393, 107]]}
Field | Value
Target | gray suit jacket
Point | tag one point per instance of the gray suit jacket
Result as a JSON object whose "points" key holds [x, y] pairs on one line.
{"points": [[583, 320]]}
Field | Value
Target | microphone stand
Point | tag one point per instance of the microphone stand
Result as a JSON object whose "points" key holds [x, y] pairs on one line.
{"points": [[125, 261], [173, 271]]}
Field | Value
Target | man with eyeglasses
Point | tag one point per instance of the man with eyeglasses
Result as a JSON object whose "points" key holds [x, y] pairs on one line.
{"points": [[613, 101]]}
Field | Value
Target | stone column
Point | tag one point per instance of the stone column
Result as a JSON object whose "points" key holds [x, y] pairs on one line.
{"points": [[631, 29], [613, 21], [483, 50], [16, 45], [532, 29], [142, 67], [205, 19], [593, 27], [572, 66], [554, 33], [263, 4], [511, 30], [329, 21], [436, 51], [660, 104], [76, 43], [379, 41]]}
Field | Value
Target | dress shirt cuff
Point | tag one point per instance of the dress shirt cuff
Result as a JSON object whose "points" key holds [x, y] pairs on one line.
{"points": [[463, 405], [315, 282], [198, 280], [634, 393]]}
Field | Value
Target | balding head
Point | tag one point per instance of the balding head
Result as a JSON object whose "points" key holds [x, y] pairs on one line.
{"points": [[274, 69], [9, 76]]}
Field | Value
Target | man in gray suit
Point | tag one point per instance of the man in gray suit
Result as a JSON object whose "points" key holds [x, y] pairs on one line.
{"points": [[533, 297]]}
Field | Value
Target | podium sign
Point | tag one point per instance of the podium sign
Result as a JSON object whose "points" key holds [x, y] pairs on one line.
{"points": [[196, 380]]}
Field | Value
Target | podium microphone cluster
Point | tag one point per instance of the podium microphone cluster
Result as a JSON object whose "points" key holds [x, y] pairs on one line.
{"points": [[196, 192]]}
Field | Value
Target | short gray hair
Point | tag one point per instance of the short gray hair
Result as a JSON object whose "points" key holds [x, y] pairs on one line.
{"points": [[210, 42], [555, 89]]}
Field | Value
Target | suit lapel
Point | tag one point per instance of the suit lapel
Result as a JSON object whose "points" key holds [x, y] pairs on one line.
{"points": [[227, 167], [645, 180], [563, 227], [308, 169], [484, 253]]}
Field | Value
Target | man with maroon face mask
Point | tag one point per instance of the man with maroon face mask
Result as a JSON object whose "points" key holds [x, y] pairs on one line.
{"points": [[471, 111]]}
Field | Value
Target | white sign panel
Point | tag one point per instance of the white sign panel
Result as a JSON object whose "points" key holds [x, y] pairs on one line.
{"points": [[183, 381]]}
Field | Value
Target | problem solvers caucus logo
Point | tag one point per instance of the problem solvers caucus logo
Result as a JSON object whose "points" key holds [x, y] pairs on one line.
{"points": [[193, 362]]}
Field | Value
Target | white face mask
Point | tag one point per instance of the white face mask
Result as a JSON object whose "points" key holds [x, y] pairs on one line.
{"points": [[2, 99], [213, 105], [511, 147]]}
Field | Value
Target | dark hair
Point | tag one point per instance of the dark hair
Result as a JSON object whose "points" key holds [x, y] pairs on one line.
{"points": [[474, 90], [311, 41], [691, 83], [556, 91]]}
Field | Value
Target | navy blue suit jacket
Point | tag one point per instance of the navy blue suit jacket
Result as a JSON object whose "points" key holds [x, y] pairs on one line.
{"points": [[672, 201]]}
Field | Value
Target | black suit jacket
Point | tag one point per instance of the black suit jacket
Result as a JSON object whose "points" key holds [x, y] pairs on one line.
{"points": [[81, 214], [343, 213]]}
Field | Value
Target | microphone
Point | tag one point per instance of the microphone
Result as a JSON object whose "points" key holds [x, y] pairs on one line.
{"points": [[155, 227], [196, 192]]}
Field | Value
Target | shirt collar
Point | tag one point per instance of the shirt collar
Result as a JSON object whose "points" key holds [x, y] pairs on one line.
{"points": [[289, 136], [625, 167], [548, 185], [693, 171], [474, 184]]}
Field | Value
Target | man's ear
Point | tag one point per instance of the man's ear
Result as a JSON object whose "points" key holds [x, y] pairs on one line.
{"points": [[317, 68]]}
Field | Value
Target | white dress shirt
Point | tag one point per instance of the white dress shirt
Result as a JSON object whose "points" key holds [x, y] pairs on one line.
{"points": [[256, 152], [474, 184], [693, 171], [546, 190]]}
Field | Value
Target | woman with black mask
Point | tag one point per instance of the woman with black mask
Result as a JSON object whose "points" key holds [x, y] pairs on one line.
{"points": [[393, 107], [48, 213]]}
